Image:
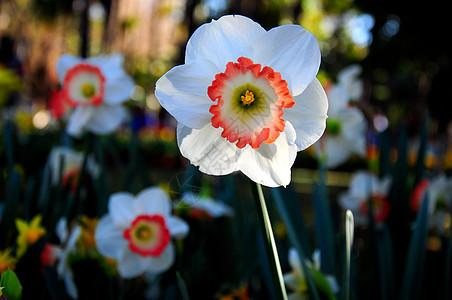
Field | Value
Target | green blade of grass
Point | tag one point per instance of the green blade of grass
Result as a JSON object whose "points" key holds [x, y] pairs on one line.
{"points": [[412, 281]]}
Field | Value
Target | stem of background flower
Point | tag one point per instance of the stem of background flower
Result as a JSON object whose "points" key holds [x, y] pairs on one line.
{"points": [[270, 246], [349, 228]]}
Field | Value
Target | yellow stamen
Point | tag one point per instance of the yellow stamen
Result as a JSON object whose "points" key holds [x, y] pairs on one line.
{"points": [[88, 90], [144, 233], [248, 98]]}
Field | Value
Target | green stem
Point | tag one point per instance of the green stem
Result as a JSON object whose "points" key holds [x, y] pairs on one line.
{"points": [[349, 230], [270, 246]]}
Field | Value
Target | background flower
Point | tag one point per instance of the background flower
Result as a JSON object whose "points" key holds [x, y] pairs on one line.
{"points": [[365, 187], [137, 231], [95, 87], [346, 126]]}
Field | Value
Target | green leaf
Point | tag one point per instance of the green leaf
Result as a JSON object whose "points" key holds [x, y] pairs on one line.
{"points": [[322, 284], [323, 224], [11, 284], [412, 281]]}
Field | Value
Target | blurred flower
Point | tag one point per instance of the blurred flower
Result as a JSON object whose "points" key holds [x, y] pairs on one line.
{"points": [[365, 186], [6, 260], [246, 99], [72, 164], [204, 207], [296, 280], [70, 246], [346, 125], [137, 232], [95, 88], [439, 197], [29, 233]]}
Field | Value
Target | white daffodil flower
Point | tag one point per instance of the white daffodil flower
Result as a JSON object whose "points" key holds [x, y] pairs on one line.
{"points": [[95, 88], [246, 99], [137, 232]]}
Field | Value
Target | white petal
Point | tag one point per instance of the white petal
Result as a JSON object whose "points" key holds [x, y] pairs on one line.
{"points": [[69, 284], [214, 208], [337, 151], [106, 118], [152, 200], [363, 184], [177, 227], [223, 41], [109, 239], [353, 130], [290, 50], [292, 281], [131, 264], [118, 84], [308, 115], [270, 164], [78, 120], [182, 91], [295, 262], [207, 149], [70, 158], [163, 262], [338, 99], [64, 63], [120, 208]]}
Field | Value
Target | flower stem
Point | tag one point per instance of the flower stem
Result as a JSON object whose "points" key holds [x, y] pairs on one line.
{"points": [[349, 229], [270, 246]]}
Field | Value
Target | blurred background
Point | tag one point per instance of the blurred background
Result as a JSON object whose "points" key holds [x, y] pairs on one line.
{"points": [[401, 46]]}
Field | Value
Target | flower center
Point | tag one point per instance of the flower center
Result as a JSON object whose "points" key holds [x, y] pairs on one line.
{"points": [[88, 90], [248, 98], [83, 85], [250, 103], [333, 126], [148, 235]]}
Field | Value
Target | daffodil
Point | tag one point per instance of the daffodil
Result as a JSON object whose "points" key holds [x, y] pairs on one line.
{"points": [[204, 206], [365, 186], [95, 88], [246, 99], [346, 126], [439, 197], [6, 260], [72, 163], [29, 233], [296, 280], [137, 232]]}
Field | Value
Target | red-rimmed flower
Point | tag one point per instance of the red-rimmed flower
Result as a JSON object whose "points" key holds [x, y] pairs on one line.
{"points": [[246, 99], [137, 232], [83, 85], [94, 88], [365, 186], [148, 235]]}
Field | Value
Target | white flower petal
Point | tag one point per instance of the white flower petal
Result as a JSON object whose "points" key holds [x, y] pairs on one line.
{"points": [[106, 119], [109, 239], [292, 281], [120, 208], [270, 164], [182, 91], [338, 99], [207, 149], [337, 150], [131, 265], [64, 63], [118, 84], [223, 40], [78, 121], [178, 228], [295, 262], [163, 262], [70, 158], [290, 50], [151, 201], [308, 115]]}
